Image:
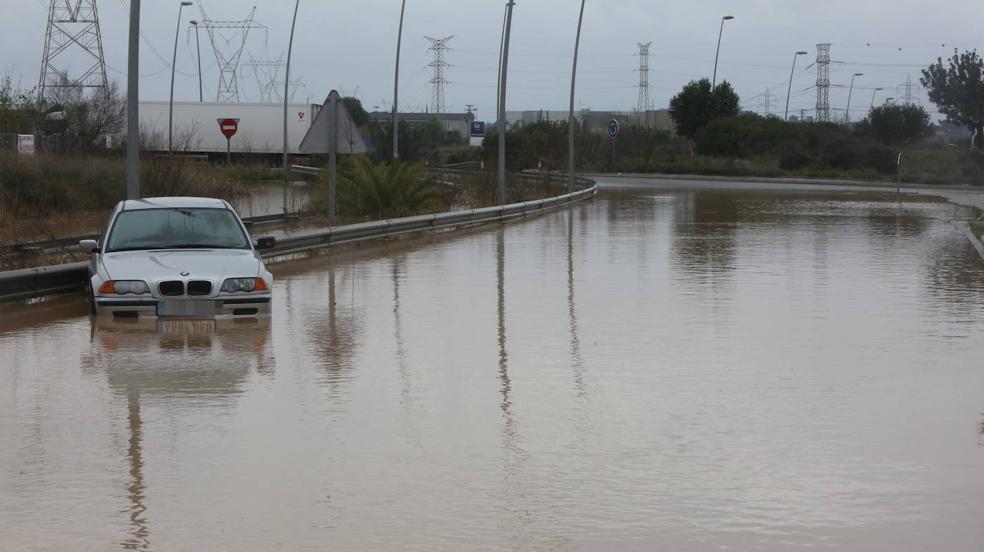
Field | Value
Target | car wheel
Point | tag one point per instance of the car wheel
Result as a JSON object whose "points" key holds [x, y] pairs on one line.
{"points": [[91, 297]]}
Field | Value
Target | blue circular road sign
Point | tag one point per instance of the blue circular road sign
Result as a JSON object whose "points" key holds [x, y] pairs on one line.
{"points": [[613, 129]]}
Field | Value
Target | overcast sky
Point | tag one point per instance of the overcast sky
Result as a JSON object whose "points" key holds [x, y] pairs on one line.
{"points": [[350, 46]]}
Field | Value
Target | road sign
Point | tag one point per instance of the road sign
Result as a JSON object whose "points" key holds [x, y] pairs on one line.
{"points": [[478, 129], [25, 144], [613, 129], [229, 127], [333, 130]]}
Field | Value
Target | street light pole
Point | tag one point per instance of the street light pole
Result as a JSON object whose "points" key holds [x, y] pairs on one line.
{"points": [[570, 122], [847, 112], [790, 91], [290, 50], [396, 87], [132, 105], [198, 46], [504, 72], [174, 61], [718, 54], [875, 91]]}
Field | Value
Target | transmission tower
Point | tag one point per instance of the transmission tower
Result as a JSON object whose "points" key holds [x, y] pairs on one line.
{"points": [[295, 85], [73, 35], [767, 99], [644, 104], [907, 86], [439, 47], [228, 39], [823, 83], [267, 72]]}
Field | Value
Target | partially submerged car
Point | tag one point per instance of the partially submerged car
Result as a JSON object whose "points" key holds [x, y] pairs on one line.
{"points": [[178, 257]]}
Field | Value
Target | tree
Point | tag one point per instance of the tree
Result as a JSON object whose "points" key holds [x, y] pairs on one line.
{"points": [[697, 105], [898, 124], [17, 108], [958, 90], [387, 190], [359, 115]]}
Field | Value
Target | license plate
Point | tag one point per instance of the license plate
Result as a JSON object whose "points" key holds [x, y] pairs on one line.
{"points": [[183, 308], [186, 327]]}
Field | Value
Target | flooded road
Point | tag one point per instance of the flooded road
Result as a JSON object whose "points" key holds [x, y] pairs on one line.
{"points": [[654, 370]]}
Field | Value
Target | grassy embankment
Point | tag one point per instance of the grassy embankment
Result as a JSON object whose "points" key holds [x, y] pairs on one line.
{"points": [[49, 196]]}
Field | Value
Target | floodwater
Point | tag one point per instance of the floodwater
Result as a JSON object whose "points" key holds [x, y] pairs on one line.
{"points": [[654, 370]]}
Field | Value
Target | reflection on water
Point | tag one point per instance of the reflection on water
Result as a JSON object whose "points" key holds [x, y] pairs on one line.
{"points": [[139, 538], [682, 370]]}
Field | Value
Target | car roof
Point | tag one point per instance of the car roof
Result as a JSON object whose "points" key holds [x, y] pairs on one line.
{"points": [[174, 202]]}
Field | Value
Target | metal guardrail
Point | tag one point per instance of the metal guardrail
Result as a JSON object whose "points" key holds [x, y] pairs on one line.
{"points": [[65, 243], [37, 282]]}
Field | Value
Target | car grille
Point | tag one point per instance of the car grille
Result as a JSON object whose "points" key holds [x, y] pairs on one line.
{"points": [[171, 288], [199, 287]]}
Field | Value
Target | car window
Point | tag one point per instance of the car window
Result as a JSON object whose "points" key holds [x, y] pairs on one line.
{"points": [[177, 229]]}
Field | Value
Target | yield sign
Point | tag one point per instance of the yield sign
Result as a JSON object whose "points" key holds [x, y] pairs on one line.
{"points": [[229, 127]]}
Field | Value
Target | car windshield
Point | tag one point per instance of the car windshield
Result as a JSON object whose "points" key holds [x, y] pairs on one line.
{"points": [[176, 229]]}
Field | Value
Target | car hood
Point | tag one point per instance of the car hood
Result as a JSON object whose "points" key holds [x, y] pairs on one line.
{"points": [[162, 265]]}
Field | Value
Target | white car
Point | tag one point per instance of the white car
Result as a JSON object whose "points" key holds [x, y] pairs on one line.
{"points": [[177, 257]]}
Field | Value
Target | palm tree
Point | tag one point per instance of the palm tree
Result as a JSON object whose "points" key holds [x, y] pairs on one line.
{"points": [[387, 190]]}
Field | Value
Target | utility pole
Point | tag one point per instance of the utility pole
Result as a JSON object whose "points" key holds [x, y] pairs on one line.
{"points": [[174, 61], [290, 50], [789, 92], [503, 73], [850, 92], [572, 166], [873, 92], [396, 86], [718, 54], [198, 47], [133, 105]]}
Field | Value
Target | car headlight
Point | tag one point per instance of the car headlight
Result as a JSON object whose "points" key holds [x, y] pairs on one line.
{"points": [[124, 287], [245, 285]]}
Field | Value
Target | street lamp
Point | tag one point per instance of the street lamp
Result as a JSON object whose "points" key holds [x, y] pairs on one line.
{"points": [[570, 122], [133, 105], [290, 49], [875, 91], [198, 46], [174, 61], [791, 71], [847, 112], [718, 54], [396, 87], [503, 73], [888, 101]]}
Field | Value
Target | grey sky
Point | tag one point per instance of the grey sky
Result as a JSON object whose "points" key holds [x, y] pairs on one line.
{"points": [[349, 45]]}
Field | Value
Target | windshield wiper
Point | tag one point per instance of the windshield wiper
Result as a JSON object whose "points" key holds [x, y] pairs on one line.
{"points": [[196, 246]]}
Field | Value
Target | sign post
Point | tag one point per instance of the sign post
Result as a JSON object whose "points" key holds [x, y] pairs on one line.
{"points": [[25, 144], [229, 127], [477, 133], [333, 132], [613, 130]]}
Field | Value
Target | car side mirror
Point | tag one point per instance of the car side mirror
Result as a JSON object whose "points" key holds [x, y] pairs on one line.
{"points": [[89, 246], [266, 243]]}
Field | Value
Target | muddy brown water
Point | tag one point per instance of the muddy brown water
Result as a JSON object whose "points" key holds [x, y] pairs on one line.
{"points": [[655, 370]]}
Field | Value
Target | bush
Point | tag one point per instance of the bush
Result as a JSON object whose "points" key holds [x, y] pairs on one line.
{"points": [[792, 156]]}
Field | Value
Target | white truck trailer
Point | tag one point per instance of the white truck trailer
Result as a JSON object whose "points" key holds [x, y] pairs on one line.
{"points": [[196, 128]]}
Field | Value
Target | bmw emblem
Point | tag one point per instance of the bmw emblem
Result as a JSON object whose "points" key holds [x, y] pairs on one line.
{"points": [[186, 273]]}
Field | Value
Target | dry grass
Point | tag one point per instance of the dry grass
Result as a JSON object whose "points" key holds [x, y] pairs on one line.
{"points": [[48, 196]]}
